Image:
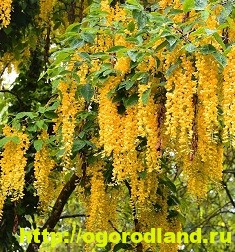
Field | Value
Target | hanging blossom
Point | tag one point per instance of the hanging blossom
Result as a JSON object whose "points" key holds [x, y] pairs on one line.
{"points": [[43, 165], [12, 164], [5, 12]]}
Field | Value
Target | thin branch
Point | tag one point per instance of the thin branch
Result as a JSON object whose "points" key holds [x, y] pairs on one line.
{"points": [[4, 68], [229, 171], [110, 222], [228, 193], [209, 217], [10, 92], [73, 216]]}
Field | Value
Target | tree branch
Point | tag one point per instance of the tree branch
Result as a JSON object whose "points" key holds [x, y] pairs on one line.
{"points": [[56, 211]]}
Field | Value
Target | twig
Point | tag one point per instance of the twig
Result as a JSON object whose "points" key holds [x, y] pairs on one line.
{"points": [[73, 216], [10, 92], [229, 171], [228, 193]]}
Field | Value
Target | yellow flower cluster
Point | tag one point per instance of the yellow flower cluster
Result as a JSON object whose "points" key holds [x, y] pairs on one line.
{"points": [[117, 14], [102, 43], [125, 159], [164, 3], [67, 112], [5, 13], [123, 65], [154, 214], [109, 132], [148, 127], [206, 162], [7, 61], [99, 201], [228, 103], [201, 173], [12, 164], [191, 119], [43, 165], [180, 108], [46, 8], [207, 71], [147, 64]]}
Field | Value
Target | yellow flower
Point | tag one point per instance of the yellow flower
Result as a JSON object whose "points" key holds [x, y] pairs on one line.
{"points": [[12, 166], [43, 165], [123, 65], [5, 12]]}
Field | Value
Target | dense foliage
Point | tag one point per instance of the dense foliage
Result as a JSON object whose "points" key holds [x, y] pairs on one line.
{"points": [[121, 118]]}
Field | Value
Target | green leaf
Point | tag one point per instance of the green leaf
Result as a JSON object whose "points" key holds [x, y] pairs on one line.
{"points": [[171, 40], [207, 49], [172, 68], [38, 144], [181, 218], [85, 56], [41, 110], [135, 3], [88, 37], [166, 181], [129, 84], [190, 48], [188, 5], [73, 27], [130, 101], [14, 139], [78, 145], [142, 174], [145, 96], [141, 76], [108, 72], [40, 124], [221, 59], [200, 31], [108, 247], [200, 4], [172, 200], [133, 55], [124, 246], [205, 14], [157, 207], [219, 40], [131, 26], [116, 48], [99, 55], [20, 115], [62, 55], [87, 91], [227, 9], [209, 31], [162, 45], [50, 115], [42, 74], [53, 107]]}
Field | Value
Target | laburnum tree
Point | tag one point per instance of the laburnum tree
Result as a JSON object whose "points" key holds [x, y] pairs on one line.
{"points": [[121, 118]]}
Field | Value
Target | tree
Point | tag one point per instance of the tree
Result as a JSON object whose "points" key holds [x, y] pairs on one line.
{"points": [[123, 110]]}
